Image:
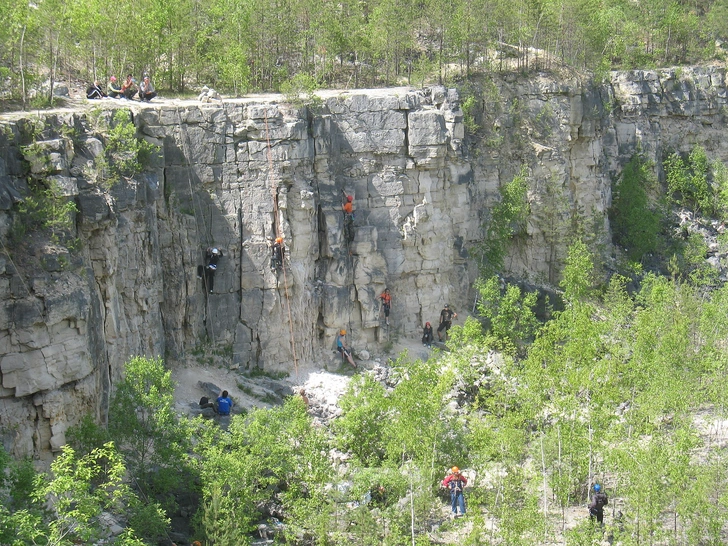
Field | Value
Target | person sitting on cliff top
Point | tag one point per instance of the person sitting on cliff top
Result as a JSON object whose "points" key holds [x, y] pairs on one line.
{"points": [[95, 91], [128, 88], [146, 89], [114, 89]]}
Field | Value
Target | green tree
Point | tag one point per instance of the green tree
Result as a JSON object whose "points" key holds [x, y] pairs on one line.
{"points": [[509, 314], [635, 221], [507, 219], [143, 423]]}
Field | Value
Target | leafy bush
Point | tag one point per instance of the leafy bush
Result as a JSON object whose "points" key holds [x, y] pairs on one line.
{"points": [[143, 423], [125, 154], [509, 314], [507, 219], [45, 208], [635, 221], [301, 91], [687, 181], [469, 107]]}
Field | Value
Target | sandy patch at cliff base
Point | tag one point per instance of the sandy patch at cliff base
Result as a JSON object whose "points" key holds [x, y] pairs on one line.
{"points": [[323, 384]]}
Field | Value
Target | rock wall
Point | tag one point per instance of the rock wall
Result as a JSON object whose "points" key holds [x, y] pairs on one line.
{"points": [[236, 173]]}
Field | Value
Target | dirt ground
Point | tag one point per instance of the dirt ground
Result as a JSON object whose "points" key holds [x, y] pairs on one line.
{"points": [[318, 381]]}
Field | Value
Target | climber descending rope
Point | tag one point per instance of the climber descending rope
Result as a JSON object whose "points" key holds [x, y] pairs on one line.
{"points": [[205, 273], [279, 235]]}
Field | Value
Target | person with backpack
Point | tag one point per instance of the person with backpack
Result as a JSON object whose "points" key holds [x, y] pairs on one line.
{"points": [[224, 404], [456, 482], [386, 298], [596, 507], [343, 349]]}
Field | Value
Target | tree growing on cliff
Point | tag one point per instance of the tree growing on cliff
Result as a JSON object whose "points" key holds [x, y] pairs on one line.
{"points": [[635, 221]]}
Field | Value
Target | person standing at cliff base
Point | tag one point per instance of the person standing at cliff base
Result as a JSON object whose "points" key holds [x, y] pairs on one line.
{"points": [[446, 317], [343, 349]]}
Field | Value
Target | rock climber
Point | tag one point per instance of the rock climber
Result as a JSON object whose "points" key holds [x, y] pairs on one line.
{"points": [[446, 317], [348, 208], [212, 255], [343, 349], [596, 507], [386, 298], [277, 254], [224, 404], [427, 335], [456, 482]]}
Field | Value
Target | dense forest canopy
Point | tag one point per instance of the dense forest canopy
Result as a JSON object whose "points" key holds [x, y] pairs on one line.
{"points": [[262, 45]]}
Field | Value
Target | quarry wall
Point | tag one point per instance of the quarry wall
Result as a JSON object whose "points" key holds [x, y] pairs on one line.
{"points": [[235, 174]]}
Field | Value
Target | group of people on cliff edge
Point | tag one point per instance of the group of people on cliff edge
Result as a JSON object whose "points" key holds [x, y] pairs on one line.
{"points": [[127, 90]]}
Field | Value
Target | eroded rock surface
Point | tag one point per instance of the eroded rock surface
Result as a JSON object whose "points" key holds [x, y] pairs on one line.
{"points": [[234, 174]]}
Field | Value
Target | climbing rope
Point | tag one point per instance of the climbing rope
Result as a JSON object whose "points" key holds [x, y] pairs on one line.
{"points": [[278, 232], [185, 152]]}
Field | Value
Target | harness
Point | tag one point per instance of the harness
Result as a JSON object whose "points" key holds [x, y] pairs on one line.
{"points": [[456, 486]]}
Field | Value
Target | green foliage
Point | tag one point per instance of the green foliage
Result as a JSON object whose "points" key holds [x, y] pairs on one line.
{"points": [[301, 91], [260, 45], [125, 154], [268, 455], [509, 314], [63, 507], [635, 221], [578, 276], [507, 220], [86, 435], [469, 107], [144, 425], [361, 429], [45, 208], [687, 181]]}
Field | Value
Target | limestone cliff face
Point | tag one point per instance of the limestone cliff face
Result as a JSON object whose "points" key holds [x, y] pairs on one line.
{"points": [[230, 175]]}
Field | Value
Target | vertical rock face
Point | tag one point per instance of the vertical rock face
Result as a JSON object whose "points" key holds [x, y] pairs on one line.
{"points": [[235, 175], [239, 174]]}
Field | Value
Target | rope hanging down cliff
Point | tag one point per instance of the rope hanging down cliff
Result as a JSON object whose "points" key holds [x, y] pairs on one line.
{"points": [[185, 152], [279, 233]]}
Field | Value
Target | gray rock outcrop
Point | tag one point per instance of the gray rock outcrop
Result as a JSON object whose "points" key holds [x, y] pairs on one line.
{"points": [[235, 174]]}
